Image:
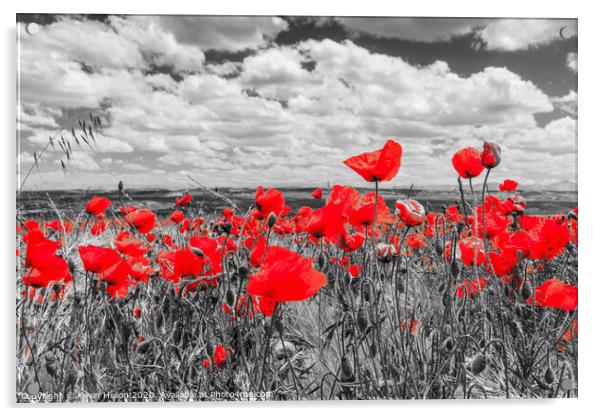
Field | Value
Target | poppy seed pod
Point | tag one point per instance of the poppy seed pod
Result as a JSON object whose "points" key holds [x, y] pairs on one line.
{"points": [[439, 249], [230, 297], [271, 219], [455, 268], [478, 364], [362, 319], [491, 155], [549, 376], [346, 368]]}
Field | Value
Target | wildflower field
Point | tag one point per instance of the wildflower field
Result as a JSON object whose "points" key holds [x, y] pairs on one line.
{"points": [[354, 299]]}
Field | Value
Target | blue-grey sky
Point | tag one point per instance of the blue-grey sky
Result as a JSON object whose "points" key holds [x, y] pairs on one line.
{"points": [[243, 101]]}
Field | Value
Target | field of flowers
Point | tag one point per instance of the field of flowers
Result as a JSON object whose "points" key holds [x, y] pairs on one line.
{"points": [[351, 300]]}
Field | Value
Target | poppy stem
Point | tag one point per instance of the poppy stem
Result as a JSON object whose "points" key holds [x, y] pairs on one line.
{"points": [[463, 200], [266, 346], [375, 205]]}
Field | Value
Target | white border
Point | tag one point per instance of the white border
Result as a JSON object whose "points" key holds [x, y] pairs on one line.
{"points": [[590, 207]]}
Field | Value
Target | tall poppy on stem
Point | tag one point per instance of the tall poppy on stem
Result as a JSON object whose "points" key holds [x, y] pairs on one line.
{"points": [[378, 166]]}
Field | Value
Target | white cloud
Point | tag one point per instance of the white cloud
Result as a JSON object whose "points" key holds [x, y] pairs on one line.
{"points": [[233, 33], [567, 103], [571, 61], [518, 34]]}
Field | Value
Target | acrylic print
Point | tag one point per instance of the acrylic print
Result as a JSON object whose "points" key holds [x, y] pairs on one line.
{"points": [[262, 208]]}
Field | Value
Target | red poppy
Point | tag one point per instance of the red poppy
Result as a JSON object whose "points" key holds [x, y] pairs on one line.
{"points": [[467, 251], [184, 200], [268, 202], [508, 185], [258, 252], [326, 222], [130, 245], [415, 241], [285, 276], [220, 355], [143, 219], [549, 241], [98, 259], [378, 166], [140, 269], [491, 155], [99, 226], [410, 211], [317, 194], [177, 217], [555, 294], [452, 213], [350, 243], [467, 162], [97, 205], [211, 251]]}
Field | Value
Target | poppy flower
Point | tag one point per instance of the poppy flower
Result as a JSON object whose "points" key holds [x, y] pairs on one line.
{"points": [[258, 252], [97, 259], [508, 185], [143, 219], [326, 222], [97, 205], [380, 165], [177, 217], [549, 241], [268, 202], [452, 214], [491, 155], [285, 276], [220, 355], [317, 194], [410, 211], [555, 294], [130, 245], [99, 226], [415, 241], [350, 243], [211, 251], [184, 200], [140, 269], [345, 198], [468, 246], [467, 162]]}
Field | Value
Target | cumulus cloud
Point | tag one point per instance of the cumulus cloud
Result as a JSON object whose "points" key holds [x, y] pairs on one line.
{"points": [[495, 34], [567, 103], [232, 33], [284, 115], [519, 34]]}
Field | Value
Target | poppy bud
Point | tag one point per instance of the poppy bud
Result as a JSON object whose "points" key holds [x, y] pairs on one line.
{"points": [[271, 219], [526, 290], [196, 251], [455, 268], [230, 297], [572, 215], [366, 293], [279, 326], [373, 349], [120, 187], [321, 260], [460, 227], [362, 319], [52, 369], [549, 376], [346, 368], [448, 344], [243, 272], [439, 249], [478, 364], [491, 155]]}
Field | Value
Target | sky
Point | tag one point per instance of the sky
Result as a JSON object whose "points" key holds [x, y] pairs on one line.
{"points": [[242, 101]]}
